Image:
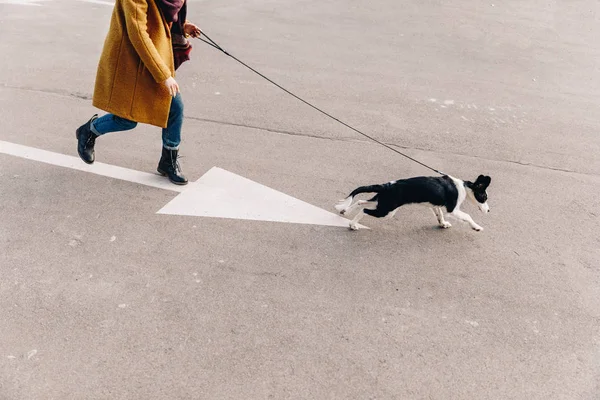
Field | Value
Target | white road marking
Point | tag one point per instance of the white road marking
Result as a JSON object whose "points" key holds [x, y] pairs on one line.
{"points": [[36, 2], [111, 171], [22, 2], [104, 3], [222, 194], [218, 193]]}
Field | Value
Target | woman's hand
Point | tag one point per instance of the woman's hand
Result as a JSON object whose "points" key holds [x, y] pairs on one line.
{"points": [[191, 29], [172, 85]]}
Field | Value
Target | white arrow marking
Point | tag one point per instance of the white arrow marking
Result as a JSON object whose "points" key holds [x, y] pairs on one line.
{"points": [[219, 193], [22, 2], [104, 3], [222, 194], [97, 168], [35, 2]]}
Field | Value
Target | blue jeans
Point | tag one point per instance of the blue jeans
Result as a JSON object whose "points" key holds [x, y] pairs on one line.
{"points": [[171, 135]]}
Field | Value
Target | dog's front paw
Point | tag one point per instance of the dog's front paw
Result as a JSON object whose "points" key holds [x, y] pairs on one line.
{"points": [[354, 227], [445, 225], [477, 228]]}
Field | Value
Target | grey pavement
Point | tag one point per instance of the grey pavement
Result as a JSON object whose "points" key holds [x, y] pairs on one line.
{"points": [[102, 298]]}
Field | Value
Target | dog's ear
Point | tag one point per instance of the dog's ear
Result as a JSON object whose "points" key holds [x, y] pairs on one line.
{"points": [[482, 182]]}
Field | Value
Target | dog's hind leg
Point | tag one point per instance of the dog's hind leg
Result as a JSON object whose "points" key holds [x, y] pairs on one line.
{"points": [[391, 214], [379, 212], [354, 222], [361, 213], [440, 217], [359, 204]]}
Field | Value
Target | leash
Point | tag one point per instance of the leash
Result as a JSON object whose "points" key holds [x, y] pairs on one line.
{"points": [[213, 44]]}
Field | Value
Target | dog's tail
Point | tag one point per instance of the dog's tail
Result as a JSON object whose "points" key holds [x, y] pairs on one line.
{"points": [[343, 205]]}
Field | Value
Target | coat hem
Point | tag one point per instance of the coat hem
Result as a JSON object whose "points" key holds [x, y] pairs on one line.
{"points": [[140, 120]]}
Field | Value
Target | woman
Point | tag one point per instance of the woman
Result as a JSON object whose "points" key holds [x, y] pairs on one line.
{"points": [[135, 82]]}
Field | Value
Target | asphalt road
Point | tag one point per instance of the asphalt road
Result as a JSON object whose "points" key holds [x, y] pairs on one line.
{"points": [[103, 298]]}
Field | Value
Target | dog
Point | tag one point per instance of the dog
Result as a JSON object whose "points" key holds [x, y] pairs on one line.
{"points": [[436, 192]]}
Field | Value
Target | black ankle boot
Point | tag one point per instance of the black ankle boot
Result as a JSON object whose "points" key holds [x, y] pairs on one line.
{"points": [[169, 166], [86, 139]]}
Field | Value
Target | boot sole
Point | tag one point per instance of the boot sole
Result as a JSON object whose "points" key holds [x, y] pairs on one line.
{"points": [[77, 134], [170, 180]]}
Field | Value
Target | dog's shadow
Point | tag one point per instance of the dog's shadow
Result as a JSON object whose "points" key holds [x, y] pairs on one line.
{"points": [[399, 233]]}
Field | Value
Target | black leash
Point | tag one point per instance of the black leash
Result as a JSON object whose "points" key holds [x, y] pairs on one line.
{"points": [[212, 43]]}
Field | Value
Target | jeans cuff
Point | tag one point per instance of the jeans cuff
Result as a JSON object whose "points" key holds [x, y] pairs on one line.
{"points": [[93, 128]]}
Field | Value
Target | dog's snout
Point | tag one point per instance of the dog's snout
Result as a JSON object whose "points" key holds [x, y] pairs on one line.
{"points": [[485, 208]]}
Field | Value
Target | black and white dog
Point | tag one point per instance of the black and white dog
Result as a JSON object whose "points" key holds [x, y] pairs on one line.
{"points": [[438, 192]]}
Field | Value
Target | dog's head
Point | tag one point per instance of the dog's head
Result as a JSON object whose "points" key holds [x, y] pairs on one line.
{"points": [[476, 192]]}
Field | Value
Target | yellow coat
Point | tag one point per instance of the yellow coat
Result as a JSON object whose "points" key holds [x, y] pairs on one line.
{"points": [[136, 59]]}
